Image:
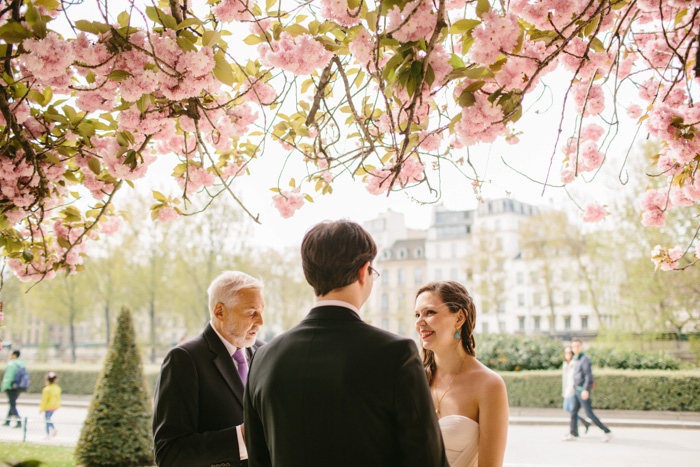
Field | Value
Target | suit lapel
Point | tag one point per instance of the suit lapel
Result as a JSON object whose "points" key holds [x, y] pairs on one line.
{"points": [[224, 363]]}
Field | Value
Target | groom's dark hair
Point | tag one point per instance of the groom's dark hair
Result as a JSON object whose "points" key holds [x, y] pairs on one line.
{"points": [[332, 254]]}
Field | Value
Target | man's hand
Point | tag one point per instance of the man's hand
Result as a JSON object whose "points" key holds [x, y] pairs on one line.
{"points": [[584, 395]]}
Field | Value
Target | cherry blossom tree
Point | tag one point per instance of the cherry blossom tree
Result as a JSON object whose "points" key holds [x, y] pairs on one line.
{"points": [[390, 93]]}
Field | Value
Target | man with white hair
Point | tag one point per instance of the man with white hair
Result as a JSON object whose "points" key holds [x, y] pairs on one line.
{"points": [[198, 407]]}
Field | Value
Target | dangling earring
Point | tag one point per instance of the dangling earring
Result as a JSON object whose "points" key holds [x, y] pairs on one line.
{"points": [[457, 334]]}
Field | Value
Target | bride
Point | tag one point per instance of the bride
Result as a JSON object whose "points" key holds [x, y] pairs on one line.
{"points": [[470, 400]]}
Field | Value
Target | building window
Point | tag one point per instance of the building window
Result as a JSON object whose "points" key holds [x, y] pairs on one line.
{"points": [[537, 321], [385, 323], [567, 298], [485, 328], [418, 276], [386, 254], [470, 275], [521, 323], [437, 251], [385, 277], [537, 299], [403, 253], [519, 277], [454, 274], [400, 277], [438, 274], [584, 322], [567, 322], [521, 299], [453, 250], [385, 302], [418, 252], [402, 302], [533, 277], [501, 306], [501, 326], [583, 296]]}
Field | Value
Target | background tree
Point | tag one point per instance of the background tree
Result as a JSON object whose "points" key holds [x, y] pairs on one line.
{"points": [[117, 430]]}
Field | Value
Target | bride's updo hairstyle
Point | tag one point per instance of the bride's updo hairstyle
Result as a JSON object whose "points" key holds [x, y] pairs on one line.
{"points": [[457, 298]]}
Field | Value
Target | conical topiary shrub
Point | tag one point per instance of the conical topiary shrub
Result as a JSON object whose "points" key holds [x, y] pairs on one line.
{"points": [[117, 431]]}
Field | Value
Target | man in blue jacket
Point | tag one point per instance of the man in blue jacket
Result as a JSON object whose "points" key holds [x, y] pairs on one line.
{"points": [[583, 384], [12, 393]]}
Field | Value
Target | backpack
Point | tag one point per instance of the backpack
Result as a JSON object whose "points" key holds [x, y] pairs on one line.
{"points": [[21, 382]]}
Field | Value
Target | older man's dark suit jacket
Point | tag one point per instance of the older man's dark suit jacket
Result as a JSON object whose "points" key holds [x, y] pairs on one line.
{"points": [[335, 391], [198, 404]]}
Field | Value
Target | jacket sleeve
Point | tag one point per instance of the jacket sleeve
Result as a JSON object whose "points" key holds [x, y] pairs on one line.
{"points": [[587, 373], [418, 433], [258, 453], [175, 417]]}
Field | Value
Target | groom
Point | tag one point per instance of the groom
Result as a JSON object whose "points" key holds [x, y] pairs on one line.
{"points": [[335, 390]]}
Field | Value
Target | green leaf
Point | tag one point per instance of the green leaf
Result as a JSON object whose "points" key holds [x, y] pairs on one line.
{"points": [[482, 6], [210, 38], [466, 99], [118, 75], [159, 196], [123, 19], [14, 33], [86, 130], [27, 256], [252, 40], [223, 70], [464, 25], [190, 22], [269, 4], [93, 27], [94, 165], [456, 61]]}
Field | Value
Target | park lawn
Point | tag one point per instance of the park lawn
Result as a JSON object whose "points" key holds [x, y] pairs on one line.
{"points": [[51, 456]]}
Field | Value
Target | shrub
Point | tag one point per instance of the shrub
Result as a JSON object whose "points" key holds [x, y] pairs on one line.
{"points": [[506, 352], [632, 360], [117, 431], [614, 389]]}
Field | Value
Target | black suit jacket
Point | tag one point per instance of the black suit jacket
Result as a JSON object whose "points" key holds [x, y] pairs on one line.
{"points": [[336, 391], [198, 404]]}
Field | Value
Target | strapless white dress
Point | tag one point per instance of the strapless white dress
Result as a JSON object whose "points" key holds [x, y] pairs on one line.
{"points": [[461, 437]]}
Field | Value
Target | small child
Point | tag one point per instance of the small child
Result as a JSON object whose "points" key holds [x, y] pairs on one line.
{"points": [[50, 401]]}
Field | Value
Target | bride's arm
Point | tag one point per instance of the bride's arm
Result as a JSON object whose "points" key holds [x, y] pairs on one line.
{"points": [[493, 421]]}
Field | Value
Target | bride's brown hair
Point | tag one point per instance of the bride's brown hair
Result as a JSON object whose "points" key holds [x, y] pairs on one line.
{"points": [[457, 298]]}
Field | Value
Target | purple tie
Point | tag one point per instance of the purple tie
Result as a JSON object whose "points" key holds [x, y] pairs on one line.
{"points": [[239, 357]]}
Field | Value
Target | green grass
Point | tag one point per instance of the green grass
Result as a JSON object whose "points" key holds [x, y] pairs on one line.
{"points": [[51, 456]]}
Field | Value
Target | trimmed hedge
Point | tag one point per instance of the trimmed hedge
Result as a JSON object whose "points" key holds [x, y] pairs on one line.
{"points": [[632, 360], [506, 352], [73, 379], [614, 389]]}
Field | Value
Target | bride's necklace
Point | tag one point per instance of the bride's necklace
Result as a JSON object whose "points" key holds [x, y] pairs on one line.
{"points": [[452, 380]]}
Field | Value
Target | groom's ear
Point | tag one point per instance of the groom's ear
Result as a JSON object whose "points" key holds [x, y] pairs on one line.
{"points": [[363, 274]]}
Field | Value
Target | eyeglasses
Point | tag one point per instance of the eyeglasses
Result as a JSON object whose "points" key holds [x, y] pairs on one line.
{"points": [[374, 272]]}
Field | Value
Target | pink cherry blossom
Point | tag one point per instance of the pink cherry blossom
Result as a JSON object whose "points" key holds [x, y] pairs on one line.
{"points": [[48, 57], [338, 11], [496, 34], [415, 21], [593, 212], [167, 214], [233, 10], [300, 55], [287, 202], [480, 122]]}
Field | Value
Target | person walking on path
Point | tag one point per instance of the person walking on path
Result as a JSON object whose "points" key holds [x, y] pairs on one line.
{"points": [[12, 392], [568, 391], [583, 384], [50, 402]]}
